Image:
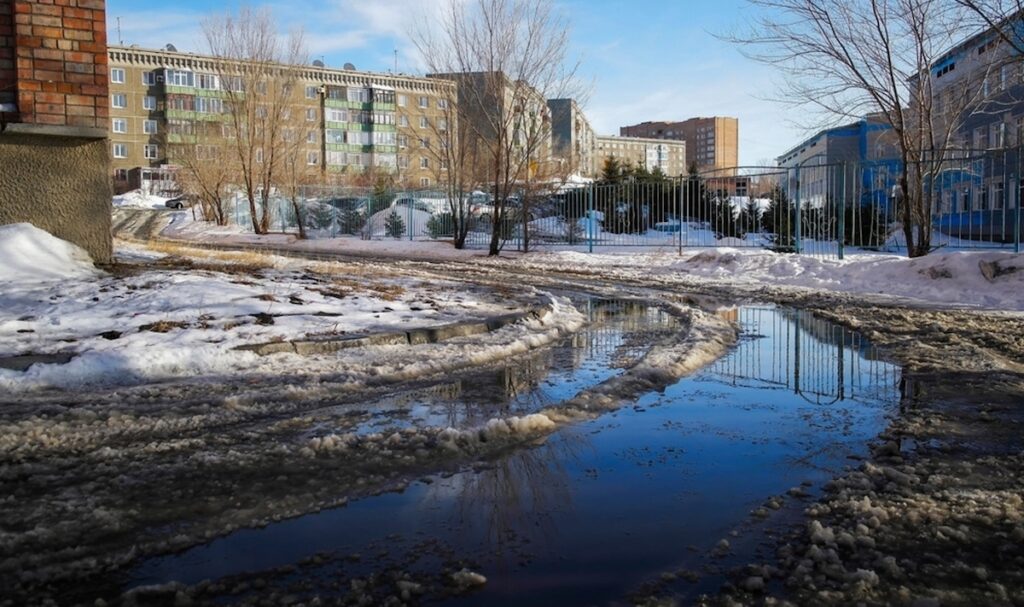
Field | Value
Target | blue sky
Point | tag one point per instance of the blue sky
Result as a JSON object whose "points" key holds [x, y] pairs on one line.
{"points": [[647, 59]]}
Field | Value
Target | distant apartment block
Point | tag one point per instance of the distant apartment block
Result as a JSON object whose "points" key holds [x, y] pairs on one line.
{"points": [[573, 141], [486, 100], [54, 165], [711, 143], [668, 156], [355, 122]]}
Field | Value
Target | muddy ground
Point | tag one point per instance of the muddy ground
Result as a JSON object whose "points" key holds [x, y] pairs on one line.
{"points": [[934, 517]]}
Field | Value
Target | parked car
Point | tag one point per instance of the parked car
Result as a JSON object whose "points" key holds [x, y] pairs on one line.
{"points": [[180, 202], [350, 203]]}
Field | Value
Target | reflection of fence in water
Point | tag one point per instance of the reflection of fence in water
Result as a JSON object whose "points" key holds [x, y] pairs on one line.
{"points": [[621, 330], [794, 350]]}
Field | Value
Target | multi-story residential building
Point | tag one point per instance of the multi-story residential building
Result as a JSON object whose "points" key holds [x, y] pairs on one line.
{"points": [[354, 122], [855, 160], [668, 156], [489, 102], [712, 143], [572, 138]]}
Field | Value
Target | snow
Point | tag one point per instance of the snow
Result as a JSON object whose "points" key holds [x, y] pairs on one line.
{"points": [[166, 324], [32, 255], [953, 279], [137, 199]]}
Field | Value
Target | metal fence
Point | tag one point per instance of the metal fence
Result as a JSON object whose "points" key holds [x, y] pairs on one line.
{"points": [[971, 199]]}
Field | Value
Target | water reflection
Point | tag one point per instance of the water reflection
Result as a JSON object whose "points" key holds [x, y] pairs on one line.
{"points": [[588, 514], [790, 349], [618, 334]]}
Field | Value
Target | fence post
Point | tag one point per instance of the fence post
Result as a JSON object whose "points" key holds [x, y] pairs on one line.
{"points": [[842, 210], [679, 216], [411, 205], [590, 218], [796, 222]]}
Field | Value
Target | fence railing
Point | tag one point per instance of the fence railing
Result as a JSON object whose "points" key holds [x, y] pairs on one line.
{"points": [[970, 199]]}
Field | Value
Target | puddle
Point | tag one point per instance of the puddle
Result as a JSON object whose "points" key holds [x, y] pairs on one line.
{"points": [[599, 508]]}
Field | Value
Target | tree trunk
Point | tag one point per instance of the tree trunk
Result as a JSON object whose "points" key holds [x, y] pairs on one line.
{"points": [[298, 218]]}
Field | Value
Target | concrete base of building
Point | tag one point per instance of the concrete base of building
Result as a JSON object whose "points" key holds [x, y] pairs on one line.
{"points": [[58, 181]]}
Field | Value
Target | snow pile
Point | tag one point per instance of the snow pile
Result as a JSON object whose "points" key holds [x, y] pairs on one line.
{"points": [[33, 255], [979, 279], [137, 199]]}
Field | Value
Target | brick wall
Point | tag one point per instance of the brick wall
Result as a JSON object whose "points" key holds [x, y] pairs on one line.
{"points": [[60, 60]]}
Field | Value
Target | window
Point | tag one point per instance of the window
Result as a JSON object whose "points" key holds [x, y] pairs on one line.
{"points": [[403, 141], [120, 150], [442, 104], [121, 174], [208, 82], [442, 124], [231, 83], [424, 123], [402, 100], [334, 136], [311, 91], [424, 102], [424, 162], [117, 75], [149, 103], [444, 164], [383, 138], [151, 152], [358, 95], [998, 195], [209, 105], [994, 135], [312, 158], [335, 115], [119, 125], [149, 127], [424, 182], [181, 78], [403, 121], [980, 138], [119, 100], [261, 88], [403, 162], [425, 142], [311, 137], [149, 78], [261, 112], [259, 155]]}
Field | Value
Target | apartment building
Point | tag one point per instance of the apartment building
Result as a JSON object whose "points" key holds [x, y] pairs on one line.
{"points": [[353, 123], [491, 101], [573, 141], [712, 143], [666, 155]]}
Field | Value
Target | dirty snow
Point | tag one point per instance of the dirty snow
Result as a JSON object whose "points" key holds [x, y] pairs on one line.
{"points": [[185, 322], [138, 199]]}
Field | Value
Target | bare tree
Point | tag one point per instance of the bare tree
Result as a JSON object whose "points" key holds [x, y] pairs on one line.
{"points": [[300, 166], [1002, 16], [196, 146], [256, 76], [508, 57], [851, 59]]}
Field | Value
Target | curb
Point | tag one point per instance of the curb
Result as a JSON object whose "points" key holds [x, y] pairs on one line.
{"points": [[413, 337]]}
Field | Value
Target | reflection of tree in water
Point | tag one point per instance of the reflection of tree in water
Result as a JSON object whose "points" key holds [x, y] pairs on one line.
{"points": [[515, 499], [794, 350]]}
